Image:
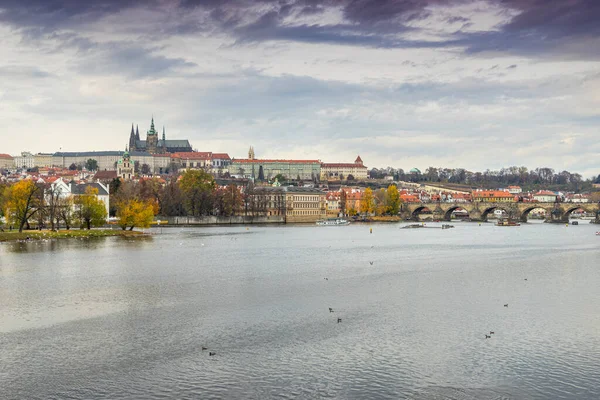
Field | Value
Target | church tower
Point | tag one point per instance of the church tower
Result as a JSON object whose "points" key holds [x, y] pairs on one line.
{"points": [[132, 139], [251, 153], [152, 139]]}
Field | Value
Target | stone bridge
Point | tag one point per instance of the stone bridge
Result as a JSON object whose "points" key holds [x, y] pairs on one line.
{"points": [[479, 211]]}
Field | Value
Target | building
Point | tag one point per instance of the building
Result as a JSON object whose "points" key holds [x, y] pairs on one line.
{"points": [[43, 160], [341, 171], [108, 160], [545, 196], [153, 144], [193, 160], [73, 189], [515, 189], [220, 161], [491, 196], [304, 204], [25, 161], [266, 169], [334, 203], [125, 170], [6, 161]]}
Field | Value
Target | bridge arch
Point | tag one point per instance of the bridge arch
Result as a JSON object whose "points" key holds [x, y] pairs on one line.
{"points": [[487, 210], [525, 212], [419, 210], [449, 211]]}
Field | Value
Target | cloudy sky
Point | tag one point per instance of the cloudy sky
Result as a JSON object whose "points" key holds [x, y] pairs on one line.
{"points": [[403, 83]]}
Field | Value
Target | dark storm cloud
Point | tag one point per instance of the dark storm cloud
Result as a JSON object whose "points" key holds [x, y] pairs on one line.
{"points": [[539, 27]]}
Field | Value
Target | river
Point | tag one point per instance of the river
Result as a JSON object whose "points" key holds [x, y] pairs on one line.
{"points": [[118, 318]]}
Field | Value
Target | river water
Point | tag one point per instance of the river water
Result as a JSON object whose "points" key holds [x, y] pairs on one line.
{"points": [[117, 318]]}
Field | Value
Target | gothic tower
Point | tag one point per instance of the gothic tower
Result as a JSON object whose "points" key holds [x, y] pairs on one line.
{"points": [[251, 153], [152, 139], [132, 139]]}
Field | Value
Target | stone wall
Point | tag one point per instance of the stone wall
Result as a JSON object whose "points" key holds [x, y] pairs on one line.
{"points": [[211, 220]]}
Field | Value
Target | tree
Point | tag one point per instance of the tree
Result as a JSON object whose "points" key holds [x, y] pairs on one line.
{"points": [[52, 196], [280, 178], [171, 200], [229, 200], [73, 167], [136, 166], [350, 177], [65, 211], [91, 165], [135, 213], [343, 202], [197, 187], [145, 169], [392, 199], [90, 210], [367, 204], [21, 202]]}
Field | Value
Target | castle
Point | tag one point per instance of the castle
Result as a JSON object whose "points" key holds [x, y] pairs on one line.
{"points": [[153, 145]]}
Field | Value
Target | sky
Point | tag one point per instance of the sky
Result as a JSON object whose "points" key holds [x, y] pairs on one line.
{"points": [[403, 83]]}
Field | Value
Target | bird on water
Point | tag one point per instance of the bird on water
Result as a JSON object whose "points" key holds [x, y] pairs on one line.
{"points": [[339, 320], [204, 348], [487, 336], [506, 305], [212, 353]]}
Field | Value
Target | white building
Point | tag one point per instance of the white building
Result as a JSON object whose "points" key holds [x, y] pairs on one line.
{"points": [[26, 160], [545, 196], [73, 189], [341, 171]]}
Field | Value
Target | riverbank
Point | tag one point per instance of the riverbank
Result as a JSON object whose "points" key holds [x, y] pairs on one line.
{"points": [[9, 236]]}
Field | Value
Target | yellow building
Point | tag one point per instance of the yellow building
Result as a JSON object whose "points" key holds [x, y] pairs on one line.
{"points": [[492, 196], [305, 204], [341, 171]]}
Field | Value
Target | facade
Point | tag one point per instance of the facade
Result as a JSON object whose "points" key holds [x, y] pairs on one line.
{"points": [[489, 196], [341, 171], [515, 189], [220, 161], [72, 189], [108, 160], [6, 161], [545, 196], [25, 161], [43, 160], [125, 167], [257, 169], [334, 203], [304, 204], [154, 145], [193, 160]]}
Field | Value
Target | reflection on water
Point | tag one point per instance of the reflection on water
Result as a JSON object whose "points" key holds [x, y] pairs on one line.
{"points": [[127, 318], [90, 243]]}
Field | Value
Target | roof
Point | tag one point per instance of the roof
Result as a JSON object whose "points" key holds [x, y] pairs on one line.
{"points": [[196, 155], [105, 175], [342, 165], [80, 188], [6, 156], [266, 161], [92, 154], [221, 156], [544, 193], [358, 160], [492, 193], [167, 143]]}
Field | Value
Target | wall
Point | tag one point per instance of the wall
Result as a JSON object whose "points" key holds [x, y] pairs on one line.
{"points": [[210, 220]]}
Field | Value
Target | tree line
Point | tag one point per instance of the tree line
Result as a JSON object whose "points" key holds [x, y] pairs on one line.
{"points": [[521, 176]]}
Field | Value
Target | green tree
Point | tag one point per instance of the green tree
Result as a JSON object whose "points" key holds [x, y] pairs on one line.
{"points": [[197, 187], [280, 178], [73, 167], [392, 199], [90, 210], [343, 202], [145, 169], [367, 203], [21, 202], [91, 165]]}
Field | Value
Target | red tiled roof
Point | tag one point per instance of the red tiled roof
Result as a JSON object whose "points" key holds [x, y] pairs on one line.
{"points": [[6, 156], [358, 160], [342, 165], [195, 155], [105, 175], [544, 193], [491, 193], [221, 156], [247, 161]]}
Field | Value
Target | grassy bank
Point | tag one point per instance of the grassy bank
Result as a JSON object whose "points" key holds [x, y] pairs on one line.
{"points": [[37, 235]]}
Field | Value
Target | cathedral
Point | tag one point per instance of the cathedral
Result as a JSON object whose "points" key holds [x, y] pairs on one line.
{"points": [[154, 145]]}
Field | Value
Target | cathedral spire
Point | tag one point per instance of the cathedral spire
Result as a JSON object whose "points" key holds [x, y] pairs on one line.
{"points": [[164, 137], [137, 133], [132, 138]]}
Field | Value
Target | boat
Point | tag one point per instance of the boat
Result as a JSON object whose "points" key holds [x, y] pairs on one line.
{"points": [[507, 222], [447, 226], [333, 222], [597, 233]]}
